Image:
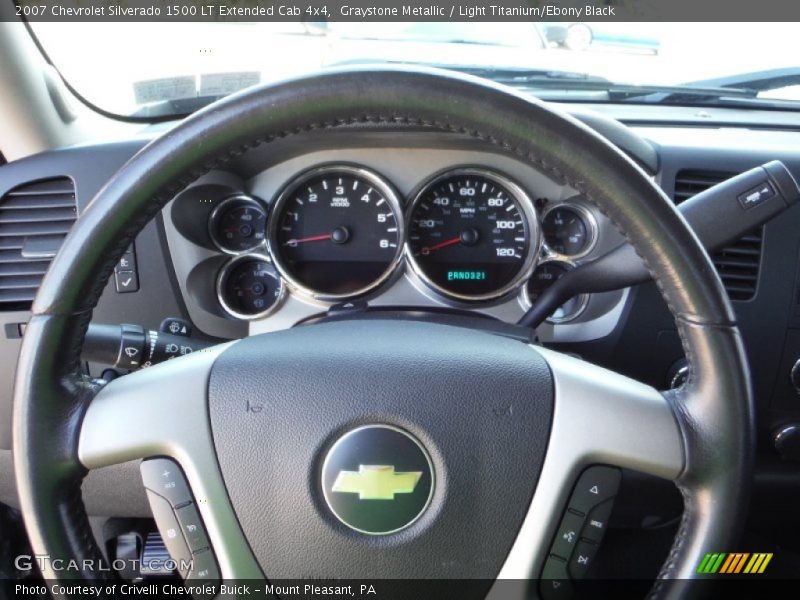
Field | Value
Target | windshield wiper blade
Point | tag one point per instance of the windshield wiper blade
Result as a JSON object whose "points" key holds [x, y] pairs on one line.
{"points": [[518, 76], [510, 76], [677, 94], [574, 81], [756, 81], [741, 89]]}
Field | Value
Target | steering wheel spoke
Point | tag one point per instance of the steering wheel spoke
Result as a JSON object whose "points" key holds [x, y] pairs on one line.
{"points": [[600, 418], [162, 411]]}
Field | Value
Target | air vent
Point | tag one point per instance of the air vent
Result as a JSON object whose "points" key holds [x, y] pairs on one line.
{"points": [[737, 264], [34, 219]]}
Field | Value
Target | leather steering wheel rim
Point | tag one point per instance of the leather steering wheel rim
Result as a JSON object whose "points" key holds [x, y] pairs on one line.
{"points": [[714, 410]]}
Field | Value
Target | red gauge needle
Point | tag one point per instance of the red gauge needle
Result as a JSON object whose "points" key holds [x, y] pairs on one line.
{"points": [[313, 238], [429, 249]]}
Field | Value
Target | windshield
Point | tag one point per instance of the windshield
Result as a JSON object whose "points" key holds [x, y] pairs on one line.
{"points": [[162, 69]]}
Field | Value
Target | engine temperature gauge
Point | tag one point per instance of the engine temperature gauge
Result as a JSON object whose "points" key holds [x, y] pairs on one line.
{"points": [[248, 287], [569, 230]]}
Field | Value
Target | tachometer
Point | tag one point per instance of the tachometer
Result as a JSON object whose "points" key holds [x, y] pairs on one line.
{"points": [[336, 232], [472, 235]]}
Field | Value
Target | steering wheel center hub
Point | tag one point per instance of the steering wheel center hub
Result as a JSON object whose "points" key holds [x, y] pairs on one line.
{"points": [[373, 434], [377, 479]]}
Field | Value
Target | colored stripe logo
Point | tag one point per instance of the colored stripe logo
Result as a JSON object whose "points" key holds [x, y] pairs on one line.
{"points": [[734, 563]]}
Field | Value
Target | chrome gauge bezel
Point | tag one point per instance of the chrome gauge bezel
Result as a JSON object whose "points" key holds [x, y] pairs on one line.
{"points": [[525, 300], [383, 186], [223, 205], [225, 272], [525, 203], [592, 230]]}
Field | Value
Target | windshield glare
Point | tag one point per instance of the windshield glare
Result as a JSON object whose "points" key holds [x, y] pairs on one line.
{"points": [[124, 68]]}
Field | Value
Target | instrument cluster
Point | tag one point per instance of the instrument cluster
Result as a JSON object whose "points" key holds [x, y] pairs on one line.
{"points": [[467, 236]]}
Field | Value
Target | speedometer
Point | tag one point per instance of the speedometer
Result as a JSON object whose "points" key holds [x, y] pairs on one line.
{"points": [[336, 232], [472, 234]]}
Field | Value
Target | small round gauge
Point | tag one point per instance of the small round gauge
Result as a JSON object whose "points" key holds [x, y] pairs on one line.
{"points": [[336, 232], [248, 287], [569, 230], [542, 278], [237, 224], [472, 235]]}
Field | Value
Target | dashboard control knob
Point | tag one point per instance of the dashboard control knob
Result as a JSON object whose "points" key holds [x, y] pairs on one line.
{"points": [[795, 376], [132, 347], [678, 374], [176, 326], [786, 440], [132, 343]]}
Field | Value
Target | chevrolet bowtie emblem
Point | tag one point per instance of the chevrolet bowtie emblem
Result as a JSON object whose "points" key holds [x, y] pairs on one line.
{"points": [[361, 498], [376, 482]]}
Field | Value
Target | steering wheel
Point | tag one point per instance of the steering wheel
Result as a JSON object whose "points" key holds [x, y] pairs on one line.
{"points": [[502, 429]]}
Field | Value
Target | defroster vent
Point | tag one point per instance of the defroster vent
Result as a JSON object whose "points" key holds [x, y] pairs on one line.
{"points": [[34, 220], [738, 264]]}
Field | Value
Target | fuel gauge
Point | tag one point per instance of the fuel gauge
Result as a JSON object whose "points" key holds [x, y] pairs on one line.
{"points": [[248, 287]]}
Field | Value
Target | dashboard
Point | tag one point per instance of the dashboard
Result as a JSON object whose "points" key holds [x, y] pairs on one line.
{"points": [[423, 221], [420, 227]]}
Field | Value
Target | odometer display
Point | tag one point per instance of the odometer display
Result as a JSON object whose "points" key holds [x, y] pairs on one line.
{"points": [[471, 235], [336, 232]]}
